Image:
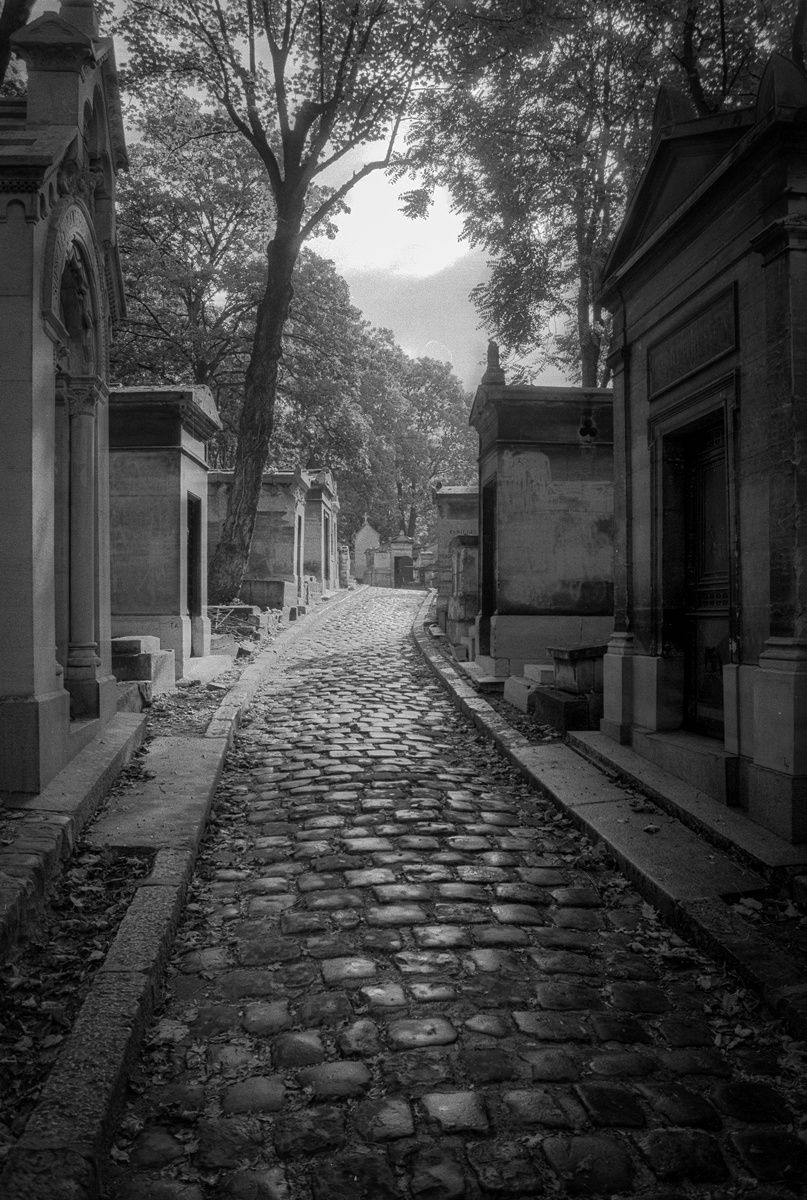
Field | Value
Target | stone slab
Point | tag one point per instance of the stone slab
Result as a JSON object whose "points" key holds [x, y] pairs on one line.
{"points": [[517, 691], [170, 809], [207, 667]]}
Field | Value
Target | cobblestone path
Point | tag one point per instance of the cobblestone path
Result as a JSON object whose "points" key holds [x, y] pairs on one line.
{"points": [[402, 974]]}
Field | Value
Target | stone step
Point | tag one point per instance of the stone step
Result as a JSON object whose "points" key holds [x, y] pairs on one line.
{"points": [[723, 826], [480, 679], [155, 668], [517, 691], [543, 673]]}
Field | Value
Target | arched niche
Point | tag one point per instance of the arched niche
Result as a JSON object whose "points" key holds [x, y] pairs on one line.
{"points": [[74, 291]]}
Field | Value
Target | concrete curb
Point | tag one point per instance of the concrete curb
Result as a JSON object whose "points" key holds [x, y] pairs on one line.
{"points": [[591, 800], [59, 1154], [45, 828]]}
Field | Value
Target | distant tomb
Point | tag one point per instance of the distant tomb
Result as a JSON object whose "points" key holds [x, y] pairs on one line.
{"points": [[60, 292], [463, 601], [321, 556], [457, 515], [367, 538], [274, 577], [392, 564], [706, 674], [158, 515], [546, 519]]}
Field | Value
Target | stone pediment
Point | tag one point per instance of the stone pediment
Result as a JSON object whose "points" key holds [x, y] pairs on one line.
{"points": [[46, 42], [683, 157]]}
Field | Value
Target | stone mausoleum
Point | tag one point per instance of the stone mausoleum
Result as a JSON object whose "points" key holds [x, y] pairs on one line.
{"points": [[274, 577], [706, 673], [367, 538], [392, 564], [546, 519], [158, 514], [457, 516], [60, 292], [320, 554]]}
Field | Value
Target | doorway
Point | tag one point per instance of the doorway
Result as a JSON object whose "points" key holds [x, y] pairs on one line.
{"points": [[404, 573], [487, 605], [326, 538], [706, 574], [194, 564]]}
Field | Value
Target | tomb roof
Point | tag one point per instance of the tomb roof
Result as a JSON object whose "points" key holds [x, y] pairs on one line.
{"points": [[194, 404], [690, 157]]}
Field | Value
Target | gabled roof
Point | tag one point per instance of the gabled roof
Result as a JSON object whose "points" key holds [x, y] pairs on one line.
{"points": [[689, 155]]}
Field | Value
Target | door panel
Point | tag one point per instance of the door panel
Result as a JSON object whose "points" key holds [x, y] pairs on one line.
{"points": [[707, 580]]}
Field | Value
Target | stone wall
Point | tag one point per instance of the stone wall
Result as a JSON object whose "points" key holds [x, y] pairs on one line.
{"points": [[707, 670]]}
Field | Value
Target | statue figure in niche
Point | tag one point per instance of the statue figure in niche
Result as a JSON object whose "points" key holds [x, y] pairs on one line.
{"points": [[78, 316]]}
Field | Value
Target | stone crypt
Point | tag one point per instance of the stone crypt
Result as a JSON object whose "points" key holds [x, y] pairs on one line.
{"points": [[60, 292], [546, 519], [274, 577], [158, 515], [457, 516], [706, 673]]}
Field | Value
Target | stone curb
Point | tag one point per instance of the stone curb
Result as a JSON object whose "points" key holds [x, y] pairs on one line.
{"points": [[59, 1154], [47, 826], [710, 921]]}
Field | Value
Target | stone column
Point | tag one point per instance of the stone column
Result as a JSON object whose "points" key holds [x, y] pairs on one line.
{"points": [[778, 789], [83, 395]]}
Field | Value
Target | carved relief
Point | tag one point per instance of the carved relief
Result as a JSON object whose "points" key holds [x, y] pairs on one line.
{"points": [[72, 247]]}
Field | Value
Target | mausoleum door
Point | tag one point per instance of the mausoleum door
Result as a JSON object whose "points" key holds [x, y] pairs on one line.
{"points": [[404, 570], [327, 551], [194, 561], [706, 596], [488, 574]]}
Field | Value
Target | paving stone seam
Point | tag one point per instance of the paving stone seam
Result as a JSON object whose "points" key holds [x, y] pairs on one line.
{"points": [[53, 823], [711, 923], [121, 1000]]}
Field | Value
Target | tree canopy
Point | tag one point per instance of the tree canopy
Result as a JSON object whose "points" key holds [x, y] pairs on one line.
{"points": [[310, 87], [541, 142], [192, 235]]}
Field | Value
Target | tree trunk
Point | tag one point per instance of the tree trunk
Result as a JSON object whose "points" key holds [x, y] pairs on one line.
{"points": [[15, 14], [229, 562], [412, 522], [589, 349]]}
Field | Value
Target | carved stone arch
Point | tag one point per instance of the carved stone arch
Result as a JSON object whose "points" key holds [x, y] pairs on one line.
{"points": [[72, 245]]}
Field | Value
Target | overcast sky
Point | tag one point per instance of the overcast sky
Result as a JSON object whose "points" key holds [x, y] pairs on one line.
{"points": [[412, 277]]}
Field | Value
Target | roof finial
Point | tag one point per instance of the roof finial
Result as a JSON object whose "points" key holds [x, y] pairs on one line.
{"points": [[494, 373]]}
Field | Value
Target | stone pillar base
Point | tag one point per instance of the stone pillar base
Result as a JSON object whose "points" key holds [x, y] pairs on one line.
{"points": [[777, 794], [658, 692], [617, 677], [779, 802], [200, 636], [175, 633], [33, 740]]}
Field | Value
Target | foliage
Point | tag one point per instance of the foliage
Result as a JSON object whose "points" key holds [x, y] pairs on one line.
{"points": [[541, 143], [192, 224], [13, 15], [309, 86], [192, 230]]}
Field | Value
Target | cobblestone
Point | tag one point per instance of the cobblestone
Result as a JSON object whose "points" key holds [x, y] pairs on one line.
{"points": [[404, 976]]}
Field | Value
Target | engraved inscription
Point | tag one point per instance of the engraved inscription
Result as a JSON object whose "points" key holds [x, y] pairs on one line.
{"points": [[705, 337]]}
